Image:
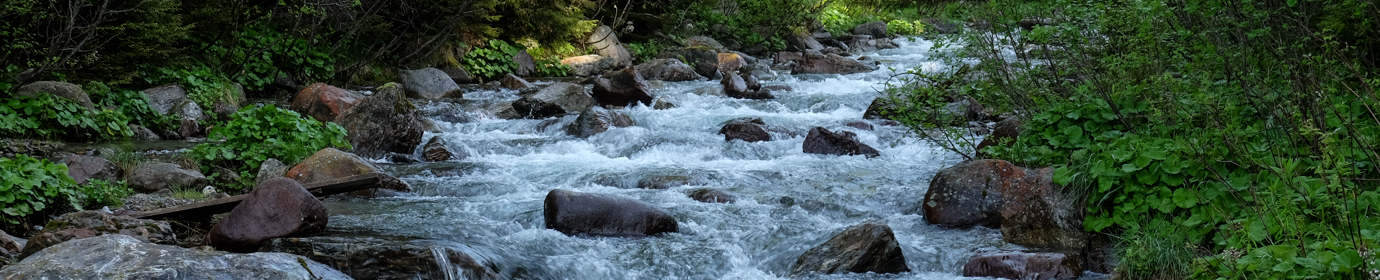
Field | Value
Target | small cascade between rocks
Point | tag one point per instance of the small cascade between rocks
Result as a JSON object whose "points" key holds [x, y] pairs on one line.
{"points": [[783, 201]]}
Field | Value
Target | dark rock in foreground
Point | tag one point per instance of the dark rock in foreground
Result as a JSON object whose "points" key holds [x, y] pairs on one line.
{"points": [[1020, 265], [844, 143], [373, 258], [277, 208], [118, 256], [575, 213], [90, 223], [867, 247]]}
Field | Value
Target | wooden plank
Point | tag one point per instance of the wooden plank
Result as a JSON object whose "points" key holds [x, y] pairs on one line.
{"points": [[222, 205]]}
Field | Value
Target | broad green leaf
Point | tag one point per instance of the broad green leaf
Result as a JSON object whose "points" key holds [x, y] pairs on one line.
{"points": [[1346, 260], [1128, 168], [1155, 153], [1185, 198], [1255, 230], [1122, 155]]}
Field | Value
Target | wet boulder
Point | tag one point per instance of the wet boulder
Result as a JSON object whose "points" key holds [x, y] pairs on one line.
{"points": [[556, 99], [428, 83], [374, 258], [876, 29], [1024, 203], [575, 213], [595, 120], [435, 150], [843, 143], [621, 88], [82, 168], [324, 102], [667, 69], [748, 129], [606, 43], [711, 196], [734, 86], [276, 208], [153, 176], [867, 247], [117, 256], [382, 123], [62, 90], [752, 83], [510, 81], [1022, 265], [589, 65], [822, 64], [802, 41], [330, 163], [704, 60], [269, 169], [92, 223]]}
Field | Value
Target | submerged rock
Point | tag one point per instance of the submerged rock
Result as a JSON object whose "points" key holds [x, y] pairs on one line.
{"points": [[1021, 265], [843, 143], [575, 213], [374, 258], [596, 120], [822, 64], [867, 247], [383, 122], [569, 97], [747, 129], [511, 81], [428, 83], [435, 150], [117, 256], [621, 88], [324, 102], [153, 176], [276, 208], [711, 196], [92, 223]]}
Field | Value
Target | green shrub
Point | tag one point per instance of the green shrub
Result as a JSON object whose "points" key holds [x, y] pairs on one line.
{"points": [[262, 53], [99, 193], [901, 27], [29, 185], [131, 104], [44, 116], [492, 60], [203, 85], [643, 52], [257, 134]]}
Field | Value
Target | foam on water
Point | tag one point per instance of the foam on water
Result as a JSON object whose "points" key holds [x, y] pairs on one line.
{"points": [[787, 201]]}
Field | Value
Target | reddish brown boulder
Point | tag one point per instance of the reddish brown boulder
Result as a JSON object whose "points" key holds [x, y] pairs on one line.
{"points": [[330, 163], [324, 102], [82, 168], [575, 213], [277, 208], [731, 62], [867, 247], [1005, 131], [621, 88], [1020, 265], [844, 143], [1022, 202], [90, 223], [746, 129]]}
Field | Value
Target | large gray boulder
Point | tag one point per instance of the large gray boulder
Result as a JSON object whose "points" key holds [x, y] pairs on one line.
{"points": [[606, 42], [382, 123], [172, 99], [597, 119], [57, 89], [90, 223], [575, 213], [428, 83], [813, 63], [153, 176], [867, 247], [803, 41], [459, 75], [667, 69], [589, 65], [276, 208], [374, 258], [269, 169], [117, 256], [569, 97], [526, 65], [83, 167]]}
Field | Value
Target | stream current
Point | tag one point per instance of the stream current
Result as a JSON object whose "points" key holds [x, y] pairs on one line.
{"points": [[787, 201]]}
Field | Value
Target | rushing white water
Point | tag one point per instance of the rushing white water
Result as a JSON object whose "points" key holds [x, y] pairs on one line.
{"points": [[787, 201]]}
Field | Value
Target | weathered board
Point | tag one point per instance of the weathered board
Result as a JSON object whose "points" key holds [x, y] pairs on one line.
{"points": [[222, 205]]}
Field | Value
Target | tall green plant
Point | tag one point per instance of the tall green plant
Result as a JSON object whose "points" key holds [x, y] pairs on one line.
{"points": [[31, 185], [258, 134]]}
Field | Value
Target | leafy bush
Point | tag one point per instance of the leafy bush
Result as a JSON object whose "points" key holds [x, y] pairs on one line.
{"points": [[491, 60], [30, 185], [131, 104], [203, 85], [262, 53], [45, 116], [257, 134], [901, 27], [99, 193], [643, 52]]}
